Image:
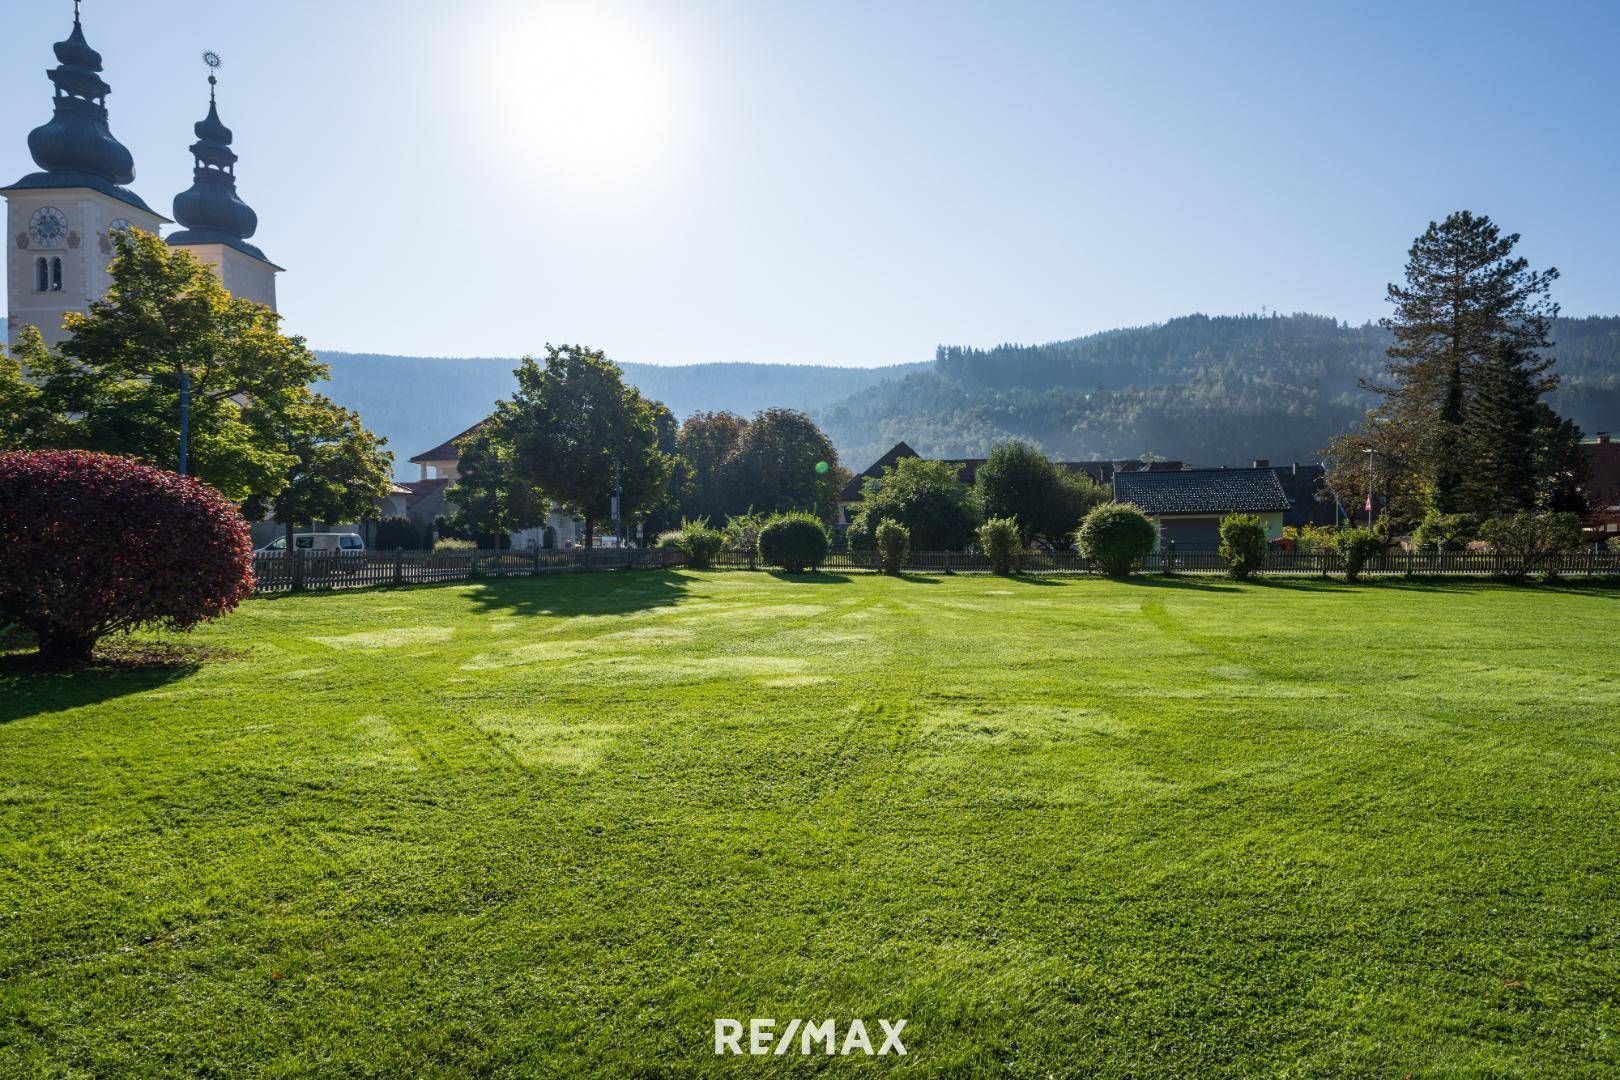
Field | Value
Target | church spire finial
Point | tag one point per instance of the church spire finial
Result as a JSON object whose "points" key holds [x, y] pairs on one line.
{"points": [[214, 62], [211, 210]]}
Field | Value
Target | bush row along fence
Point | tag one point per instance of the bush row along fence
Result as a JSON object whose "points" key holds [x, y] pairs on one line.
{"points": [[307, 570], [1592, 562]]}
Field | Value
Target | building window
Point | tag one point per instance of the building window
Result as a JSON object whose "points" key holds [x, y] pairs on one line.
{"points": [[56, 275], [42, 275]]}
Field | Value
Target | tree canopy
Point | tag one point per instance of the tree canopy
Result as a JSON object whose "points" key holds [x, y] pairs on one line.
{"points": [[926, 497], [574, 424], [1018, 481], [114, 384], [1463, 428]]}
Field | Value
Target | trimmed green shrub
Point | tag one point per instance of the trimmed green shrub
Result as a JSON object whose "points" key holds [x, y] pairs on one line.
{"points": [[1356, 546], [795, 542], [1115, 536], [893, 544], [1243, 545], [452, 544], [999, 537], [1524, 541]]}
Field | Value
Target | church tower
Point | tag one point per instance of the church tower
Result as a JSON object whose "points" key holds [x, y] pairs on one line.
{"points": [[217, 222], [59, 221]]}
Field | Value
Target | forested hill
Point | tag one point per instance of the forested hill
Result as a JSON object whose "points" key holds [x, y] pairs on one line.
{"points": [[1212, 390], [418, 402]]}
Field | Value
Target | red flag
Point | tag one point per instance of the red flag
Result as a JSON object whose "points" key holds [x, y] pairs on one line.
{"points": [[1369, 504]]}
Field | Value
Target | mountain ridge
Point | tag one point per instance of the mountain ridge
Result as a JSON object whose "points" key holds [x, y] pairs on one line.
{"points": [[1220, 389]]}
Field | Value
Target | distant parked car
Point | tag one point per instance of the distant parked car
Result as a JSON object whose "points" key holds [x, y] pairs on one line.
{"points": [[338, 543]]}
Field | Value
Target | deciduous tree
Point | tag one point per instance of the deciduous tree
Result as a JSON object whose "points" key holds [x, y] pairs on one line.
{"points": [[927, 497], [572, 420], [114, 384], [492, 497]]}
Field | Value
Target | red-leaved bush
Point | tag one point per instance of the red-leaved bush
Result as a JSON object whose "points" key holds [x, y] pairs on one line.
{"points": [[92, 544]]}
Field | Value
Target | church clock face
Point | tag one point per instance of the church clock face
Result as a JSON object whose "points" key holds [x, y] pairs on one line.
{"points": [[119, 225], [48, 227]]}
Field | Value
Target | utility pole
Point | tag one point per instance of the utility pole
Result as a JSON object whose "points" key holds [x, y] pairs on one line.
{"points": [[618, 503]]}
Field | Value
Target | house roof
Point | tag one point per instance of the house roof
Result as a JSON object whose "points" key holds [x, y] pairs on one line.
{"points": [[1305, 485], [446, 451], [1203, 491], [421, 489], [852, 489], [968, 468]]}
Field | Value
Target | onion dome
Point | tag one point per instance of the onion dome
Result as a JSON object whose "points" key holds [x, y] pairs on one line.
{"points": [[210, 209], [76, 148]]}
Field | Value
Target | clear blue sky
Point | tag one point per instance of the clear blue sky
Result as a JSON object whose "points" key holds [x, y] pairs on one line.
{"points": [[852, 183]]}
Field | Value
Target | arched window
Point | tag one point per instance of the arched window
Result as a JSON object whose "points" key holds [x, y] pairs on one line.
{"points": [[42, 275], [56, 275]]}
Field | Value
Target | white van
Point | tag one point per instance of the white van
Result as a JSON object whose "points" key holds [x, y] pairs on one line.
{"points": [[338, 543]]}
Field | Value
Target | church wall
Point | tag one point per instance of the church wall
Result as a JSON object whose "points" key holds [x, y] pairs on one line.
{"points": [[242, 275], [85, 255]]}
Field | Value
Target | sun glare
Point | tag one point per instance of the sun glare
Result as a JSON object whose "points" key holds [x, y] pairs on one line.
{"points": [[583, 92]]}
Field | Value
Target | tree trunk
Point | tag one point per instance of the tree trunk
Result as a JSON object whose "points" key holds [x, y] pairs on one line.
{"points": [[590, 529], [65, 647]]}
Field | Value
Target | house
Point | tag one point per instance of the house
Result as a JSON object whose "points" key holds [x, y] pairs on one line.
{"points": [[1602, 457], [394, 504], [967, 469], [1188, 506], [1310, 501], [440, 468]]}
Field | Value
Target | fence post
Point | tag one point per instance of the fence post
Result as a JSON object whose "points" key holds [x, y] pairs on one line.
{"points": [[1167, 557], [947, 563], [297, 554], [399, 566], [1408, 562], [536, 571]]}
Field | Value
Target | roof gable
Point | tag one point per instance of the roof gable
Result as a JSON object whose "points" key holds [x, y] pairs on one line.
{"points": [[447, 450]]}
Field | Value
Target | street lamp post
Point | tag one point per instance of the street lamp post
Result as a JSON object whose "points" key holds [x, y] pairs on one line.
{"points": [[185, 416], [1371, 454]]}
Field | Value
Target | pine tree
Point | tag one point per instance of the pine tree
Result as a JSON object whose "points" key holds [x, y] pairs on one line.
{"points": [[1465, 296], [1500, 441]]}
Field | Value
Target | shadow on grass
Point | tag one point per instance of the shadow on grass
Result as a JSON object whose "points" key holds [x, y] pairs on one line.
{"points": [[30, 685], [1186, 584], [599, 592], [813, 577]]}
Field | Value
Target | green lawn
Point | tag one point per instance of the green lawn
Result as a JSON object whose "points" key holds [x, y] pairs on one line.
{"points": [[556, 827]]}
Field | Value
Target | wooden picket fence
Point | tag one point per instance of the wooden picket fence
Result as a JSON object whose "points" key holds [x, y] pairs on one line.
{"points": [[312, 570], [321, 570]]}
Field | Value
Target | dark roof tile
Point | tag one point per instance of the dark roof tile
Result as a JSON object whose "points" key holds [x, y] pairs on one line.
{"points": [[1203, 491]]}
